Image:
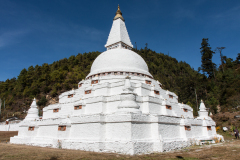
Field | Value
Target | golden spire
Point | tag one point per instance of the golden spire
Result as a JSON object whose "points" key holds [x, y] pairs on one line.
{"points": [[118, 14]]}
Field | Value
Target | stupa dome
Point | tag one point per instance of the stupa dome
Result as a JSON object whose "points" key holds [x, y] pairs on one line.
{"points": [[119, 60], [119, 56], [119, 107]]}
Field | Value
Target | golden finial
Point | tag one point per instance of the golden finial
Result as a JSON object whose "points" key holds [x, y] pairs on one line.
{"points": [[118, 14]]}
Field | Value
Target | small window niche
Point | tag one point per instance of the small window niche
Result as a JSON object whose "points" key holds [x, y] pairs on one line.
{"points": [[70, 95], [156, 92], [88, 92], [188, 128], [62, 128], [170, 96], [209, 128], [77, 107], [169, 107], [185, 110], [94, 82], [31, 128], [80, 85], [55, 110], [148, 82]]}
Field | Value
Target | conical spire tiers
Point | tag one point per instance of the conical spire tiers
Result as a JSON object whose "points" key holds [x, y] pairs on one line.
{"points": [[202, 106], [118, 36], [32, 112], [203, 113], [118, 14]]}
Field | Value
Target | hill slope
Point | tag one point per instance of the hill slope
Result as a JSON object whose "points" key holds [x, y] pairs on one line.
{"points": [[46, 82]]}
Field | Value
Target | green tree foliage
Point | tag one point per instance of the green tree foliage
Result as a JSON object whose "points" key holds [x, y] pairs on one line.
{"points": [[175, 76], [207, 66], [237, 61], [224, 89], [42, 101], [63, 75], [193, 107], [48, 79]]}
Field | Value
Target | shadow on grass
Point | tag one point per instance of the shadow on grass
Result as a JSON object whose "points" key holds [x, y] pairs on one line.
{"points": [[54, 158], [187, 158], [179, 157]]}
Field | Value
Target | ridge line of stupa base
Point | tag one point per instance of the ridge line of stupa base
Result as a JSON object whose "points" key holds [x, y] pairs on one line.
{"points": [[119, 111]]}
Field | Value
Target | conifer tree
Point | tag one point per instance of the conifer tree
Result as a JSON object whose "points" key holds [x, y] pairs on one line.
{"points": [[219, 49], [237, 61], [207, 66]]}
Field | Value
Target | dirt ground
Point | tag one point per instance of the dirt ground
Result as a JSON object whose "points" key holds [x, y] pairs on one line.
{"points": [[230, 149], [5, 136]]}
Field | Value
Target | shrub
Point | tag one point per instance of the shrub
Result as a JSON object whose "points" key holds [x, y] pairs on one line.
{"points": [[218, 128], [42, 101]]}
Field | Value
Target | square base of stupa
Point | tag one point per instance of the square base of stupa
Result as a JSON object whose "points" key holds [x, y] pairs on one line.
{"points": [[119, 107], [116, 133]]}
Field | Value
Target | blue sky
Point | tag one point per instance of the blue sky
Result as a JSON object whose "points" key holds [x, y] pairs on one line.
{"points": [[33, 32]]}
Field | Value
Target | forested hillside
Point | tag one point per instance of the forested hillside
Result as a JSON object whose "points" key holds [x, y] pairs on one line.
{"points": [[221, 86]]}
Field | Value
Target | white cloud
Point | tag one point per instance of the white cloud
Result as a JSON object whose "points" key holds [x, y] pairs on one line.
{"points": [[228, 18], [11, 37]]}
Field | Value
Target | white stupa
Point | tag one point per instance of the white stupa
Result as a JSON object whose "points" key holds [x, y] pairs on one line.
{"points": [[203, 113], [32, 112], [118, 108]]}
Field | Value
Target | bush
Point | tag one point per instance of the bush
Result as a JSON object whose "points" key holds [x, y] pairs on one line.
{"points": [[53, 93], [42, 101]]}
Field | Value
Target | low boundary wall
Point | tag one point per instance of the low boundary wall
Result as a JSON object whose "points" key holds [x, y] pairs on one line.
{"points": [[14, 126]]}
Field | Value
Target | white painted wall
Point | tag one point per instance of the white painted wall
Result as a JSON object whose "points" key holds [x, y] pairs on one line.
{"points": [[121, 115]]}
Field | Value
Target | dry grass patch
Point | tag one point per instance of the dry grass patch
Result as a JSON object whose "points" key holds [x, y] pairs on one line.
{"points": [[228, 150], [5, 135], [12, 151]]}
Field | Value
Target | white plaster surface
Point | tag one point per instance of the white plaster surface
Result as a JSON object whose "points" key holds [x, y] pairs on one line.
{"points": [[119, 60], [9, 127], [122, 114], [118, 33], [32, 112]]}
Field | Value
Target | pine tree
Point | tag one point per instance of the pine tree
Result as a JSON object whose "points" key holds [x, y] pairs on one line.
{"points": [[207, 66], [219, 49], [237, 61]]}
